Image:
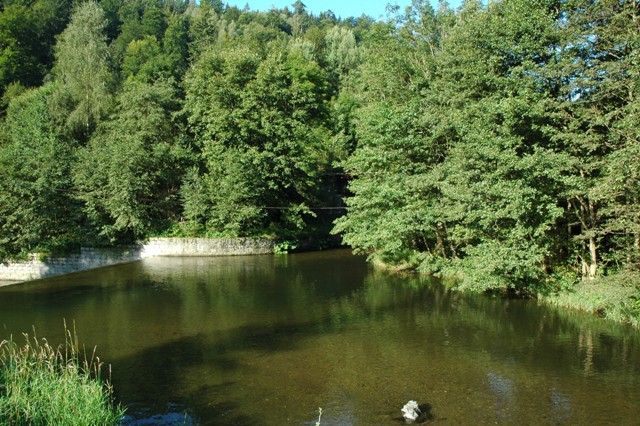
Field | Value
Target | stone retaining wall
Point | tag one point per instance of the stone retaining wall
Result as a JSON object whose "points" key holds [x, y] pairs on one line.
{"points": [[206, 246], [90, 258]]}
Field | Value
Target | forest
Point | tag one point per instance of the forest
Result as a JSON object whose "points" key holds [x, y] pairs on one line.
{"points": [[497, 143]]}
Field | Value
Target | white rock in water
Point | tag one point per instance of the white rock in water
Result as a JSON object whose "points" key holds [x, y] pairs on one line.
{"points": [[410, 411]]}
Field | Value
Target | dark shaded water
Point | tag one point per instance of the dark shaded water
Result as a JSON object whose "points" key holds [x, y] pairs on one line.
{"points": [[266, 340]]}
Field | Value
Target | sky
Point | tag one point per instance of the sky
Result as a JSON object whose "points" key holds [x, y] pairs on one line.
{"points": [[341, 8]]}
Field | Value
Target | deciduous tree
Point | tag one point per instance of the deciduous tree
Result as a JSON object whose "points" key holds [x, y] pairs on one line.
{"points": [[83, 69]]}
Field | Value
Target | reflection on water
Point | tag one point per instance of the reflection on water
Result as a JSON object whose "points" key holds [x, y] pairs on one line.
{"points": [[504, 394], [144, 416], [266, 340], [561, 406]]}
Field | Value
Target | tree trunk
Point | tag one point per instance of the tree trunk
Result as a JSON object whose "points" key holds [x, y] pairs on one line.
{"points": [[593, 250], [440, 244], [586, 212], [593, 253]]}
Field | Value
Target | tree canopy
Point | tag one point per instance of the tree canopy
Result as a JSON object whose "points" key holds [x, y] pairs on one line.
{"points": [[490, 141]]}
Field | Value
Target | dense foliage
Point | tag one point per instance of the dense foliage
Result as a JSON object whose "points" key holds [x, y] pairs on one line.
{"points": [[125, 119], [497, 143]]}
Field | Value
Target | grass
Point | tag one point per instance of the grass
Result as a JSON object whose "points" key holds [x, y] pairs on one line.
{"points": [[45, 385], [615, 297]]}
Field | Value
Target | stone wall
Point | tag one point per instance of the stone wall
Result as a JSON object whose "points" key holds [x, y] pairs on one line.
{"points": [[206, 246], [90, 258]]}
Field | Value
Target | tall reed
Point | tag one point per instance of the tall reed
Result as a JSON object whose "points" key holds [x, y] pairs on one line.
{"points": [[45, 385]]}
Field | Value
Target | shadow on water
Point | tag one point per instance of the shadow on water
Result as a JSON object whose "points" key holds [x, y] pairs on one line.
{"points": [[156, 371]]}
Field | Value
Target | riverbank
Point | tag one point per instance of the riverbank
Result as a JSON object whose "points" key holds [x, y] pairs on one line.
{"points": [[38, 266], [615, 297]]}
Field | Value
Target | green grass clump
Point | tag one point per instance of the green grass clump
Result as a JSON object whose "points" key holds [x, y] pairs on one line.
{"points": [[45, 385], [616, 297]]}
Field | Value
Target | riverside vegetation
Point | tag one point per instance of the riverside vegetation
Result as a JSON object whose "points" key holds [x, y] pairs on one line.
{"points": [[45, 385], [495, 143]]}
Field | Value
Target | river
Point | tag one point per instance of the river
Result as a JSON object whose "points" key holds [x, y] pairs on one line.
{"points": [[266, 340]]}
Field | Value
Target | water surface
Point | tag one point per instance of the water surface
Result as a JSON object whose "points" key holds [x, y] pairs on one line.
{"points": [[266, 340]]}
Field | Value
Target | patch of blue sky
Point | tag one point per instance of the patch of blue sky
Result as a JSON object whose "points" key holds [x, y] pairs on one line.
{"points": [[341, 8]]}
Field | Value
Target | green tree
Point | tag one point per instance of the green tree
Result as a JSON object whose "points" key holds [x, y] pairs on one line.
{"points": [[17, 32], [504, 173], [27, 36], [129, 174], [342, 52], [452, 170], [37, 208], [136, 20], [391, 210], [599, 71], [205, 29], [300, 20], [263, 130], [82, 67], [176, 45], [145, 61], [216, 5]]}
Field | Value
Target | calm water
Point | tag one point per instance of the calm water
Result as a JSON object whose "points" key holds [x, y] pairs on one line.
{"points": [[266, 340]]}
